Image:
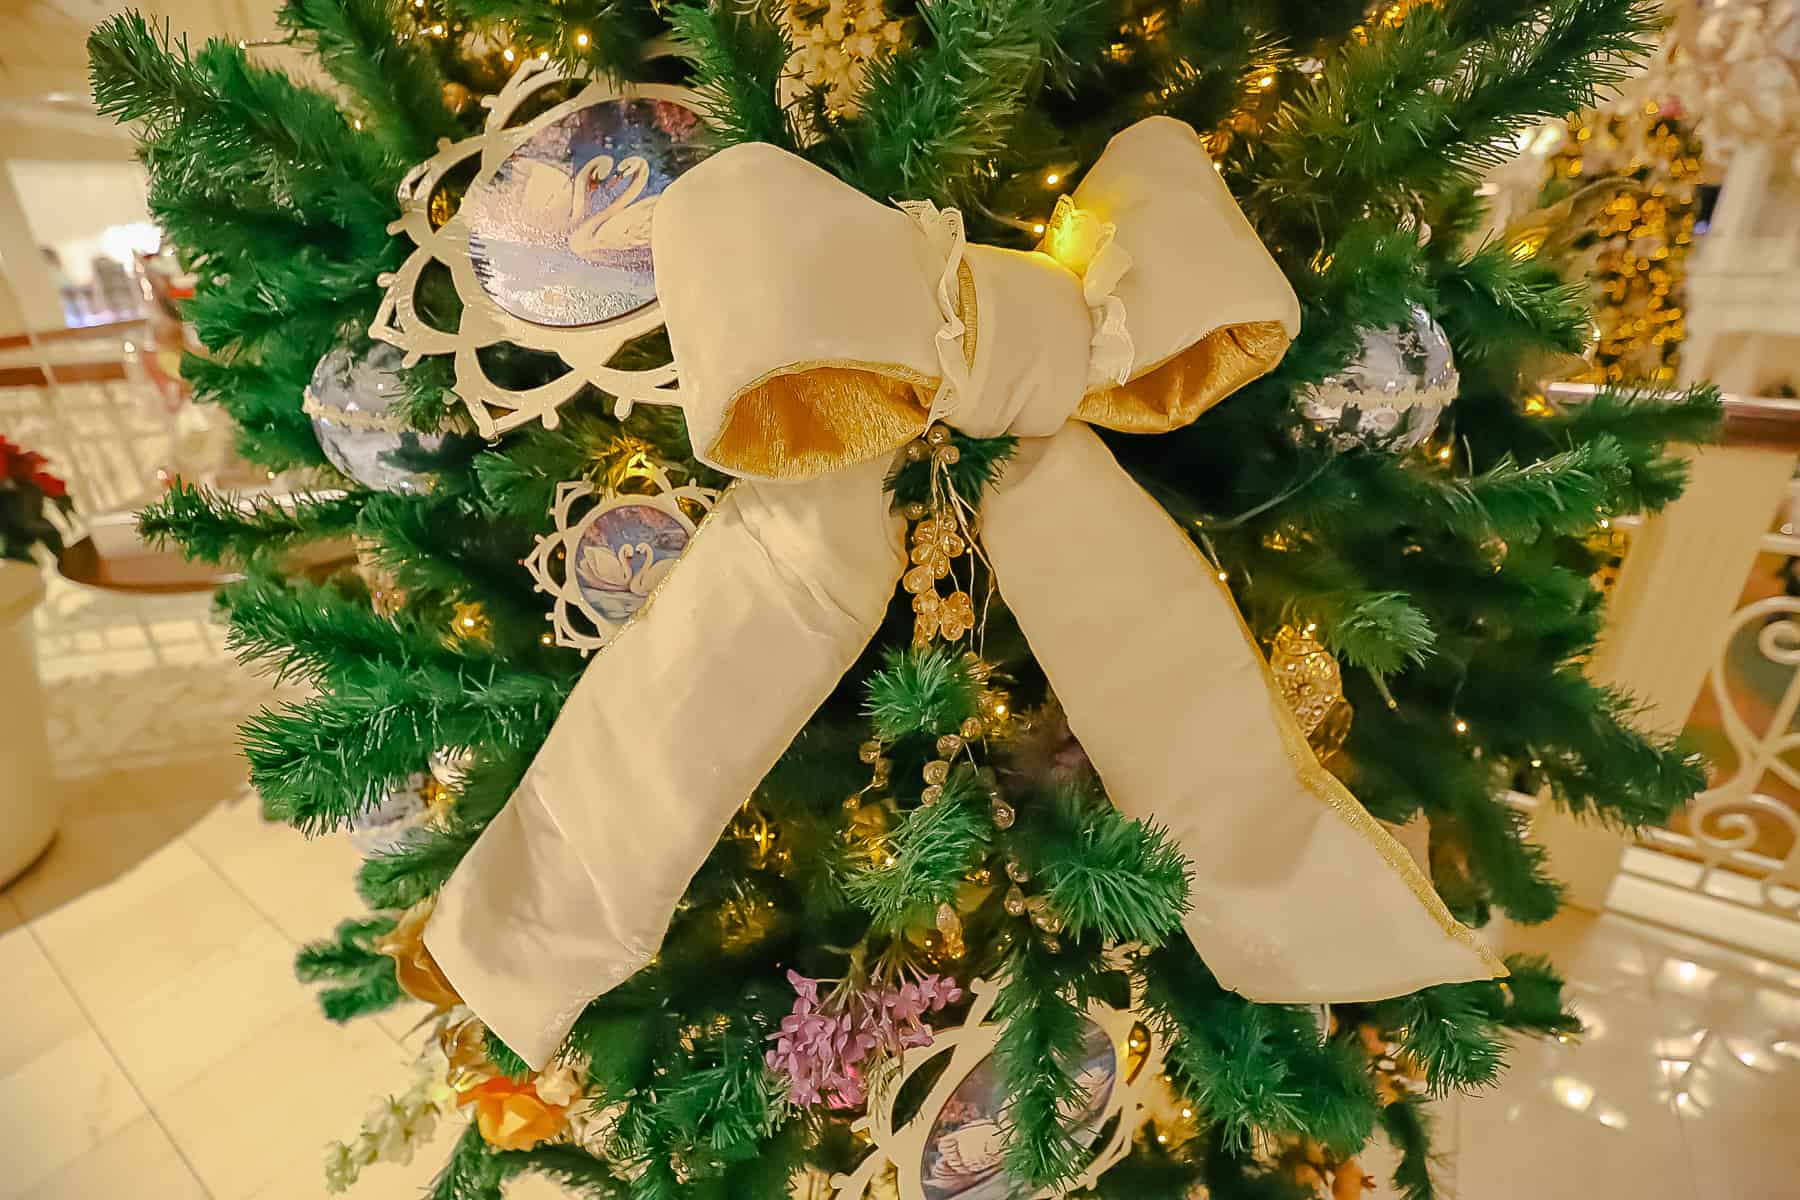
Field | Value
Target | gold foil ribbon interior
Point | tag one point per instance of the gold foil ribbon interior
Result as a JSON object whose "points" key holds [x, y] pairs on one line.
{"points": [[1174, 392]]}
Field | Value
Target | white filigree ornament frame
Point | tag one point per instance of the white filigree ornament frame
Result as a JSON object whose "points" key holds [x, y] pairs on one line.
{"points": [[949, 1147], [586, 349], [611, 548]]}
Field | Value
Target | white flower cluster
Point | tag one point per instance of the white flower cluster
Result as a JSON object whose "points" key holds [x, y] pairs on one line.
{"points": [[396, 1127], [835, 42]]}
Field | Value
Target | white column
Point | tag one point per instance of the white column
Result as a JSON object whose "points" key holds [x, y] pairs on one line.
{"points": [[28, 298]]}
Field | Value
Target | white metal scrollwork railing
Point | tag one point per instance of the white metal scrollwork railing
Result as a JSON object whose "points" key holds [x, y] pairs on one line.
{"points": [[1678, 629], [1733, 826]]}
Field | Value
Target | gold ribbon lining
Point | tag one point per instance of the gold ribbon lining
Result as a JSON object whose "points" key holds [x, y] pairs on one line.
{"points": [[806, 419], [809, 419], [1174, 392]]}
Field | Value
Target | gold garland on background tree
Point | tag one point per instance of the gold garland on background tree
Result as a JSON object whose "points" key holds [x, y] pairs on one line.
{"points": [[1618, 210]]}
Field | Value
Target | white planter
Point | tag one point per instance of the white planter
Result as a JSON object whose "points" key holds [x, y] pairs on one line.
{"points": [[29, 804]]}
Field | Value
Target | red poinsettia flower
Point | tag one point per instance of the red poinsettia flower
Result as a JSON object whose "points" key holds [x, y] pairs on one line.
{"points": [[19, 464], [49, 484], [29, 497]]}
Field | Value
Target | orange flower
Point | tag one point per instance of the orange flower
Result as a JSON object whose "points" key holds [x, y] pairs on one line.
{"points": [[417, 972], [512, 1116]]}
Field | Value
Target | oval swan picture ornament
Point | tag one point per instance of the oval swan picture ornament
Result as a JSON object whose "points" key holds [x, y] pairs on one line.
{"points": [[559, 235], [965, 1148], [623, 554]]}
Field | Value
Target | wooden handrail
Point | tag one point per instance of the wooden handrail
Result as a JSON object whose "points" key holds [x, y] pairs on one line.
{"points": [[1764, 422], [86, 372], [16, 341]]}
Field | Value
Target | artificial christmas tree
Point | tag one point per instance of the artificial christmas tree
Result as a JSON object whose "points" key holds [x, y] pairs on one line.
{"points": [[823, 878]]}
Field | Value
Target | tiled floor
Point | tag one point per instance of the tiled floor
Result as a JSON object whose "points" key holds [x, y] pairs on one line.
{"points": [[156, 1043], [1686, 1085]]}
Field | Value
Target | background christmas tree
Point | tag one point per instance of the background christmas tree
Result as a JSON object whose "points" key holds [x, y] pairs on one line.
{"points": [[1618, 211], [1450, 581]]}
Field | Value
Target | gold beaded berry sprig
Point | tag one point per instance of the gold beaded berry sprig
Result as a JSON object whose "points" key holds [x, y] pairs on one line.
{"points": [[940, 535]]}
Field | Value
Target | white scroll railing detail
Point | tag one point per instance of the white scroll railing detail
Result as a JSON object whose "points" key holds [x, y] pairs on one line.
{"points": [[1728, 821]]}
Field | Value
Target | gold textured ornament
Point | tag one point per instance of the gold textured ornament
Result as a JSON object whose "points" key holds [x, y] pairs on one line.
{"points": [[1311, 683], [753, 826], [833, 46], [414, 969], [1609, 545], [939, 536], [949, 927], [385, 593]]}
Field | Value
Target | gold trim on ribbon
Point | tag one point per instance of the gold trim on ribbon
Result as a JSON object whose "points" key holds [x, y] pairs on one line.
{"points": [[1173, 393]]}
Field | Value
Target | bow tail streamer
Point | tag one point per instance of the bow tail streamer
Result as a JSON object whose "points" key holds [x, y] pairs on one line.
{"points": [[1298, 894], [571, 888]]}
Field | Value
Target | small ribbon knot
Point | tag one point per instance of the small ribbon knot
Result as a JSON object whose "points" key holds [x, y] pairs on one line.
{"points": [[943, 230]]}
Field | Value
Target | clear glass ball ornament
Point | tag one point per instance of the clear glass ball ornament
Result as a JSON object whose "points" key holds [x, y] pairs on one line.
{"points": [[356, 400], [1393, 394]]}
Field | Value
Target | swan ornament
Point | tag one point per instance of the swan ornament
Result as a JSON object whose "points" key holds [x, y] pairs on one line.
{"points": [[612, 570], [558, 201]]}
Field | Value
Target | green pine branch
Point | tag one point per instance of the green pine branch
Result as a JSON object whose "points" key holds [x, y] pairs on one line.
{"points": [[929, 691], [1038, 1054], [738, 54], [598, 37], [1255, 1069], [930, 853], [1408, 1127], [320, 762], [363, 980], [396, 83], [1103, 873], [219, 527], [936, 114]]}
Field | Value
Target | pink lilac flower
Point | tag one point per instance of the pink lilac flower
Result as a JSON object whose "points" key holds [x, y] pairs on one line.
{"points": [[822, 1044]]}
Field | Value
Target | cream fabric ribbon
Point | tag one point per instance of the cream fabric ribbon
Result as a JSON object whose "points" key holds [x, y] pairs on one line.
{"points": [[816, 331]]}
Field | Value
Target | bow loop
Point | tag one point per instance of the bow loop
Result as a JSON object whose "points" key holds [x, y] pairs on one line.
{"points": [[816, 327]]}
